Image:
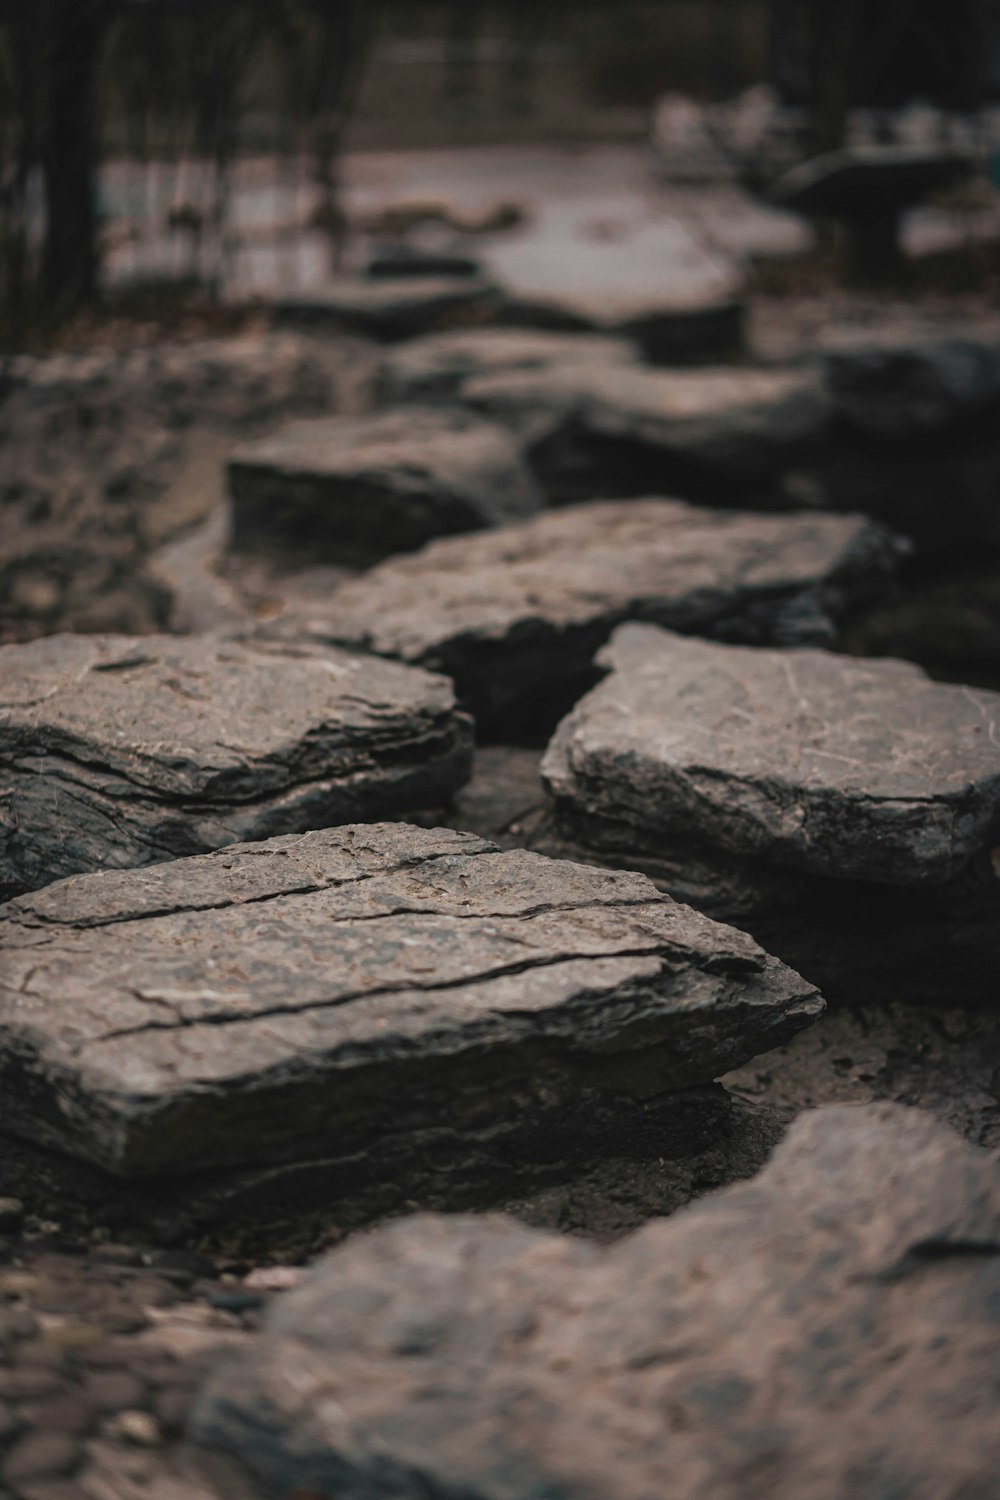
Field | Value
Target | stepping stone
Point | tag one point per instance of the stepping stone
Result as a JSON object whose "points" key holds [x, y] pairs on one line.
{"points": [[682, 331], [843, 811], [389, 308], [515, 616], [415, 1012], [703, 1355], [349, 487], [120, 751], [435, 367], [712, 434]]}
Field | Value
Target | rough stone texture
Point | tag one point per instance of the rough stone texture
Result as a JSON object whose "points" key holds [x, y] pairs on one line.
{"points": [[109, 455], [437, 366], [904, 390], [339, 986], [515, 616], [119, 751], [827, 1329], [843, 810], [711, 434], [391, 308], [343, 488]]}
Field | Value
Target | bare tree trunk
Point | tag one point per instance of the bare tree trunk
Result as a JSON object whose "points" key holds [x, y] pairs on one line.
{"points": [[75, 33]]}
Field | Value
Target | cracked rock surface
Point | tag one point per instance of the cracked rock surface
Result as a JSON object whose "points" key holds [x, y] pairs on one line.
{"points": [[336, 489], [387, 998], [122, 751], [515, 616], [828, 1328], [596, 429], [833, 806]]}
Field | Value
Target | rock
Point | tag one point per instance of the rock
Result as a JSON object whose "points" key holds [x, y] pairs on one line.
{"points": [[11, 1214], [684, 332], [435, 367], [843, 811], [514, 617], [340, 986], [709, 434], [120, 751], [332, 490], [701, 1356], [390, 308], [911, 391]]}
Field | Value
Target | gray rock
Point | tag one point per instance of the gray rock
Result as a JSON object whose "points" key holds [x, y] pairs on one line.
{"points": [[412, 1013], [390, 307], [435, 367], [905, 391], [827, 1329], [347, 487], [843, 811], [120, 751], [515, 616], [712, 433]]}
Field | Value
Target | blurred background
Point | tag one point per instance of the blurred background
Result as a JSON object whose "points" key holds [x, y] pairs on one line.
{"points": [[235, 149]]}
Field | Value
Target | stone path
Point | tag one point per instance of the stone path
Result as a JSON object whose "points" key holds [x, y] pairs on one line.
{"points": [[702, 1356], [845, 809], [213, 1061], [120, 751]]}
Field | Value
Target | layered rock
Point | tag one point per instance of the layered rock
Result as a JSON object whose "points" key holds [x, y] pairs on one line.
{"points": [[515, 616], [713, 433], [119, 751], [375, 1014], [390, 307], [334, 490], [436, 367], [706, 1355], [844, 811]]}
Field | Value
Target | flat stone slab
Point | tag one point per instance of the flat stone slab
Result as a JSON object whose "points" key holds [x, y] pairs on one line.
{"points": [[343, 487], [597, 429], [389, 1001], [703, 1355], [515, 616], [832, 805], [120, 751], [390, 307], [682, 331], [827, 764], [435, 367]]}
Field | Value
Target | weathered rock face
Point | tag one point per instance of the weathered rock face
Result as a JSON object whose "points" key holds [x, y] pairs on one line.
{"points": [[838, 808], [390, 307], [515, 616], [342, 488], [598, 429], [120, 751], [702, 1356], [437, 366], [340, 985]]}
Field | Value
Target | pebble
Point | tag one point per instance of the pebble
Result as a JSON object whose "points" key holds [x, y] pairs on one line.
{"points": [[139, 1428]]}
